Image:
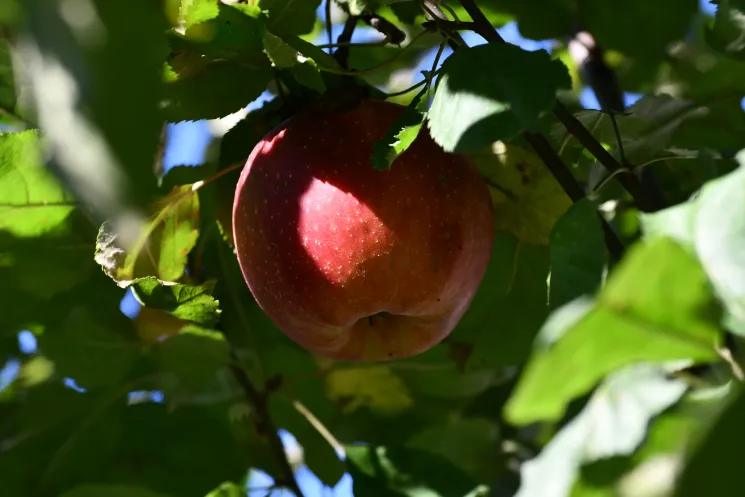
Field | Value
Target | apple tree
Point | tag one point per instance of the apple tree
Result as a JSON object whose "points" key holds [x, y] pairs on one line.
{"points": [[452, 247]]}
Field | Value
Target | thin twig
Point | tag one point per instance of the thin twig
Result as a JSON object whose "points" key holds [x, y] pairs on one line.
{"points": [[329, 34], [265, 425], [434, 14]]}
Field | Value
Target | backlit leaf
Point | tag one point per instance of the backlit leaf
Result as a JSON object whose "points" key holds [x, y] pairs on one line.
{"points": [[162, 246], [191, 303]]}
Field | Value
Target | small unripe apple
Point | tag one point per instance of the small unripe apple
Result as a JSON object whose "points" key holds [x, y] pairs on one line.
{"points": [[354, 263]]}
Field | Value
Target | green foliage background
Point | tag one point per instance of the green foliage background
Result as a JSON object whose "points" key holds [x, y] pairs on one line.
{"points": [[575, 372]]}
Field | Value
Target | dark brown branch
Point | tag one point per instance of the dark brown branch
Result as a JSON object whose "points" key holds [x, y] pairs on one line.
{"points": [[385, 27], [264, 424], [627, 179], [342, 53]]}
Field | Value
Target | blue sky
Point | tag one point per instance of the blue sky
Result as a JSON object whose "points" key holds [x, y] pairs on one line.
{"points": [[187, 144]]}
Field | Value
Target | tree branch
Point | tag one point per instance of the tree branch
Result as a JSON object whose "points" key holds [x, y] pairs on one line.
{"points": [[342, 53], [569, 184], [265, 426], [543, 148], [385, 27], [628, 180]]}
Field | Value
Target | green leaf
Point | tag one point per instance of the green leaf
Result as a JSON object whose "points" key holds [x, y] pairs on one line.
{"points": [[397, 472], [713, 467], [400, 135], [235, 34], [291, 16], [658, 295], [280, 53], [303, 69], [470, 444], [509, 306], [719, 234], [307, 74], [91, 347], [187, 451], [509, 93], [32, 200], [61, 437], [44, 266], [198, 11], [99, 490], [636, 27], [528, 201], [228, 490], [191, 359], [578, 254], [215, 90], [624, 403], [441, 373], [192, 303], [163, 244], [727, 35]]}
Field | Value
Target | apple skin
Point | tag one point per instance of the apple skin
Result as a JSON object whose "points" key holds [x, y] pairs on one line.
{"points": [[353, 263]]}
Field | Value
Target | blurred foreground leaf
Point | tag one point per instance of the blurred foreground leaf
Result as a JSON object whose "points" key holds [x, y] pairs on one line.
{"points": [[658, 295]]}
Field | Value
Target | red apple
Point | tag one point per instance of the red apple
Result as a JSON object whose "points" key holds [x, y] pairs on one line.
{"points": [[354, 263]]}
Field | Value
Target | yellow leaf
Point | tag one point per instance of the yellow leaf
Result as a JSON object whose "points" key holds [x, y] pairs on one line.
{"points": [[527, 199], [375, 387]]}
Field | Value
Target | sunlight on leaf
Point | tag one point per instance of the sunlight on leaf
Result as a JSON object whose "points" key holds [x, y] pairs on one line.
{"points": [[32, 200], [527, 199], [162, 247], [509, 93], [191, 303], [375, 386]]}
